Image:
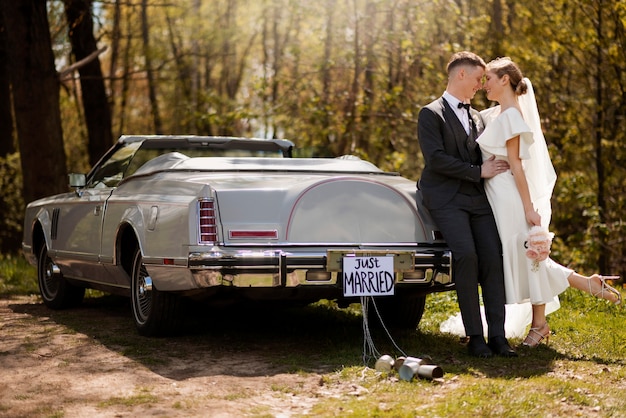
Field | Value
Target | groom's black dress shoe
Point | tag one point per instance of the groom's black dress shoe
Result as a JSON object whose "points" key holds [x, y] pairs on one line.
{"points": [[501, 347], [477, 347]]}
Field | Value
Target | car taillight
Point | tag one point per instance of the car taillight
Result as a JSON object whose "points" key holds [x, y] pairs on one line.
{"points": [[206, 221]]}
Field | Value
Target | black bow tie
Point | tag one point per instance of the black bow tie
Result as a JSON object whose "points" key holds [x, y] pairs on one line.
{"points": [[465, 105]]}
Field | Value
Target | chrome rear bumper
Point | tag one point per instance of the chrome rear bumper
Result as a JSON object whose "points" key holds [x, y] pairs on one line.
{"points": [[270, 268]]}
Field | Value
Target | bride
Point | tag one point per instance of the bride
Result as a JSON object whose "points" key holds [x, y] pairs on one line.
{"points": [[520, 199]]}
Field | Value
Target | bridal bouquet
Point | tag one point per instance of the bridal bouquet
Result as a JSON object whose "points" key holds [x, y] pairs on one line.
{"points": [[538, 245]]}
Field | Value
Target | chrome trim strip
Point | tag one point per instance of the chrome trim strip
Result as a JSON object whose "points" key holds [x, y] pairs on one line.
{"points": [[269, 260]]}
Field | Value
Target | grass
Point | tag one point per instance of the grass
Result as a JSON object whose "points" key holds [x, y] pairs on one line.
{"points": [[582, 372], [143, 397], [17, 277]]}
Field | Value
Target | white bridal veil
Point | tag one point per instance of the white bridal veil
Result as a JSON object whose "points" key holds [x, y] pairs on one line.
{"points": [[538, 168]]}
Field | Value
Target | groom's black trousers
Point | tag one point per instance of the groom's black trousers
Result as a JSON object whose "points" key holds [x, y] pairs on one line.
{"points": [[469, 228]]}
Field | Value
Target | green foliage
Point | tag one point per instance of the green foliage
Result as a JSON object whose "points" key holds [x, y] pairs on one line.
{"points": [[17, 277], [11, 204], [350, 78]]}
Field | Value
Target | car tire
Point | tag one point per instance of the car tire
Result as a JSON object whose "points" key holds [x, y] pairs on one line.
{"points": [[55, 290], [156, 313], [401, 312]]}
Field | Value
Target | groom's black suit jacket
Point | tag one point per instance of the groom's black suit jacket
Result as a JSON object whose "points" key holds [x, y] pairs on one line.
{"points": [[446, 161], [453, 192]]}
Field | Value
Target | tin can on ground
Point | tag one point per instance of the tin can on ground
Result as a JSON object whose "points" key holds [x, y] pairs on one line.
{"points": [[419, 367], [384, 363], [429, 371], [409, 368], [399, 362]]}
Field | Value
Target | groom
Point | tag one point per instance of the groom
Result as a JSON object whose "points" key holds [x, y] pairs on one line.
{"points": [[453, 192]]}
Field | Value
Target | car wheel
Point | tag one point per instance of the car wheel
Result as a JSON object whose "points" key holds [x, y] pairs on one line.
{"points": [[156, 313], [401, 312], [55, 291]]}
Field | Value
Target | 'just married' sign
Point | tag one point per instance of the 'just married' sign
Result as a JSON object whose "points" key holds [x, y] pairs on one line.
{"points": [[368, 276]]}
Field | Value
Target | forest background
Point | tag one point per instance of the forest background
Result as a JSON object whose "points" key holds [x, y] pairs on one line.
{"points": [[335, 76]]}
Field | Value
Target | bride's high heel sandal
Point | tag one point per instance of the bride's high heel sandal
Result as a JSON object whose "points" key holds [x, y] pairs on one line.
{"points": [[606, 291], [536, 335]]}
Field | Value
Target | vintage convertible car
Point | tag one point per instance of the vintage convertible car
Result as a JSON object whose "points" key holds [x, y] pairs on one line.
{"points": [[165, 218]]}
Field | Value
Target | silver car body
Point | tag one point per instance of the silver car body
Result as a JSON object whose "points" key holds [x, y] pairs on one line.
{"points": [[270, 227]]}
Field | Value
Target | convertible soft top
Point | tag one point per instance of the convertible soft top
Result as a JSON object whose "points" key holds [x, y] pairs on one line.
{"points": [[179, 161]]}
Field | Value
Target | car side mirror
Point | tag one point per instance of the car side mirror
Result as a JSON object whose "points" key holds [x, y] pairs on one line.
{"points": [[77, 180]]}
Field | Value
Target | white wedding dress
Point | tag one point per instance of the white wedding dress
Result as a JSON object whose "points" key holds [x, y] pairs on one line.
{"points": [[525, 284]]}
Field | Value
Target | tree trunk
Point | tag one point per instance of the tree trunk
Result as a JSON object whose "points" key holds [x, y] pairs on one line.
{"points": [[185, 74], [347, 141], [95, 103], [496, 28], [599, 118], [116, 35], [145, 34], [274, 47], [195, 74], [35, 98], [367, 123], [7, 145], [11, 217], [125, 78], [327, 77]]}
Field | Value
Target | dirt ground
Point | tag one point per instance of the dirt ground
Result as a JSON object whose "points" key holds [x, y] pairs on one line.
{"points": [[89, 362]]}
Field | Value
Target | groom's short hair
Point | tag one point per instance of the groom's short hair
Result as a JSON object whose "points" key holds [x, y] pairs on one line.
{"points": [[465, 58]]}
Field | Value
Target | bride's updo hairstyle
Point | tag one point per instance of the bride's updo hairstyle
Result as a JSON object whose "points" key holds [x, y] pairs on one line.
{"points": [[504, 66]]}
